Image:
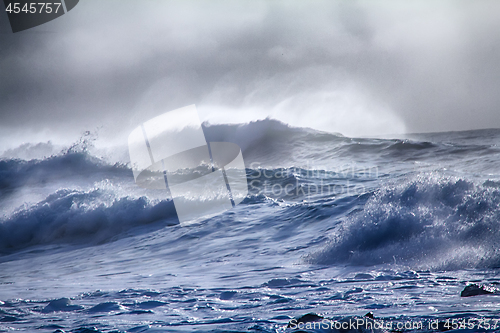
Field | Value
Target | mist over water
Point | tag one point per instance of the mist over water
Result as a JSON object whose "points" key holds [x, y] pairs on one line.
{"points": [[358, 68]]}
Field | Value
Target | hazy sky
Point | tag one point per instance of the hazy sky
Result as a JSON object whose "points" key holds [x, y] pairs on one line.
{"points": [[360, 68]]}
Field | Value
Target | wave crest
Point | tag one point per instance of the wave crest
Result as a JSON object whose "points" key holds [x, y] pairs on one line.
{"points": [[435, 222], [78, 216], [15, 173]]}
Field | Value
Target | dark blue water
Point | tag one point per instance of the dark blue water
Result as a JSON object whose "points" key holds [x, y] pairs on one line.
{"points": [[332, 225]]}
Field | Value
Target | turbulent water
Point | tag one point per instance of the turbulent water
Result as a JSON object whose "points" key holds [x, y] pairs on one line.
{"points": [[332, 225]]}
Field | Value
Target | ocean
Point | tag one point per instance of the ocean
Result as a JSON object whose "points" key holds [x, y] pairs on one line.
{"points": [[334, 229]]}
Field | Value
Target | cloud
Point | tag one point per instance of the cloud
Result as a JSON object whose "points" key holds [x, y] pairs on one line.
{"points": [[357, 67]]}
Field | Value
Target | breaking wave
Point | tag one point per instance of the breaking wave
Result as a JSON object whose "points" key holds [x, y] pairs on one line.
{"points": [[430, 222]]}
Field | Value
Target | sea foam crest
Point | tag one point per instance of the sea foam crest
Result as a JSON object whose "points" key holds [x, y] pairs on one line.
{"points": [[431, 221], [76, 216]]}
